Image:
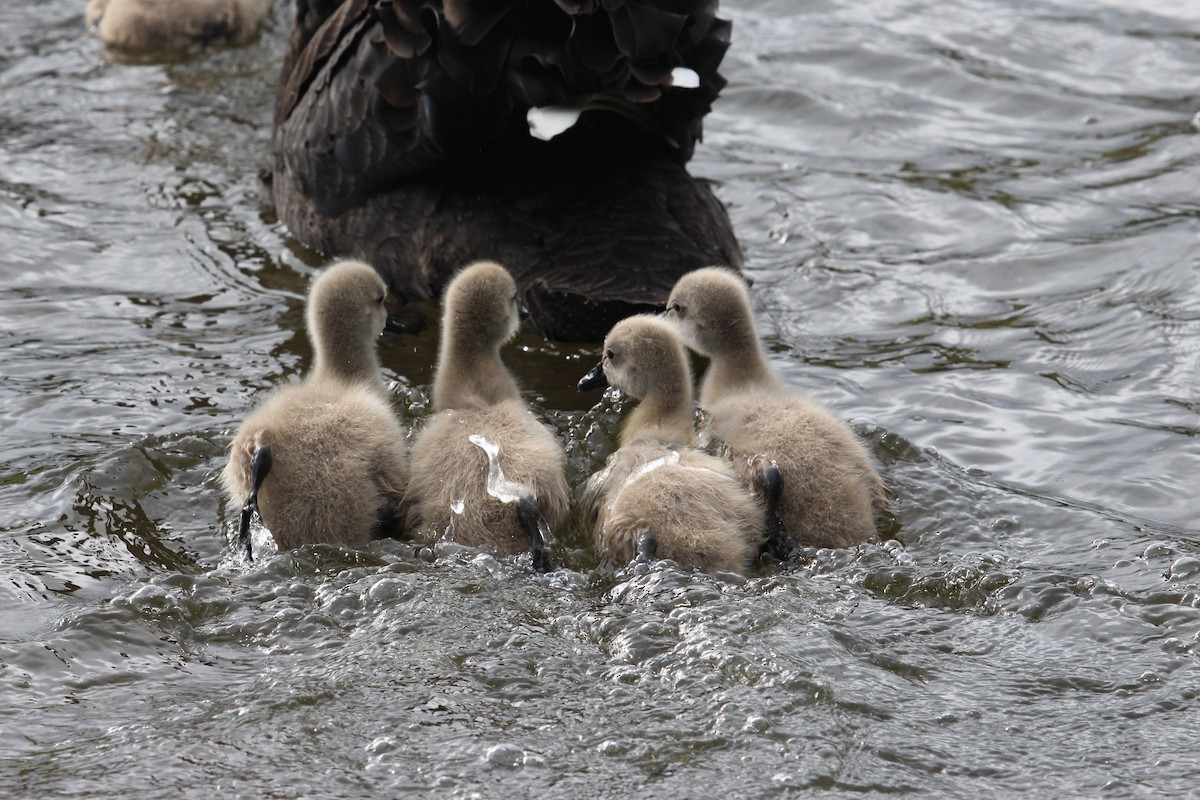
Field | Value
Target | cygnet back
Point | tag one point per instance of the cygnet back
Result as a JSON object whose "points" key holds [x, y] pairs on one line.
{"points": [[149, 27]]}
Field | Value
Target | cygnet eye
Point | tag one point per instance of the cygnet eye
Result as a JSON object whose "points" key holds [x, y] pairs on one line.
{"points": [[380, 299], [676, 309], [609, 354]]}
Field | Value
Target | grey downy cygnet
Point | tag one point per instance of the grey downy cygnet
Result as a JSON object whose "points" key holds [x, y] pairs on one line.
{"points": [[832, 494], [322, 460], [159, 26], [485, 471], [659, 496]]}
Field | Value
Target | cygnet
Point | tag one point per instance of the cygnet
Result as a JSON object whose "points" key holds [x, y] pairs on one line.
{"points": [[832, 494], [485, 471], [659, 496], [322, 460]]}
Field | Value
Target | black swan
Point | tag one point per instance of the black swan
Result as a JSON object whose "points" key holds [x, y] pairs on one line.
{"points": [[402, 137]]}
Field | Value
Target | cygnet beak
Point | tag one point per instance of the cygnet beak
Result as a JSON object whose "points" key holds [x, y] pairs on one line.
{"points": [[594, 379], [522, 311]]}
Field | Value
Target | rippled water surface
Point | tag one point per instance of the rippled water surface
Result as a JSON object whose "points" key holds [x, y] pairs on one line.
{"points": [[972, 228]]}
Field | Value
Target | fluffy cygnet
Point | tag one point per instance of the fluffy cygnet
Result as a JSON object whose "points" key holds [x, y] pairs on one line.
{"points": [[658, 495], [322, 460], [832, 494], [162, 26], [485, 472]]}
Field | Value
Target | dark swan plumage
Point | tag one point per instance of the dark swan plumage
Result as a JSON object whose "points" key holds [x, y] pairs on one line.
{"points": [[401, 138]]}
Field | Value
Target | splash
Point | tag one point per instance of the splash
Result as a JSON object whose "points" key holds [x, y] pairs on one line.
{"points": [[507, 491], [650, 466], [498, 486]]}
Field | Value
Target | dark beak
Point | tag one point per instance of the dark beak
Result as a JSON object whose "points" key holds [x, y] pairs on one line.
{"points": [[522, 311], [594, 379]]}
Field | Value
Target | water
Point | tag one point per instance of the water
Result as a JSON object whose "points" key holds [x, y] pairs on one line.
{"points": [[972, 228]]}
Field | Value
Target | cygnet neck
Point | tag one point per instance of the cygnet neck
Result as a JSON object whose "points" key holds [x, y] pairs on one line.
{"points": [[470, 373], [342, 354], [665, 413], [738, 366]]}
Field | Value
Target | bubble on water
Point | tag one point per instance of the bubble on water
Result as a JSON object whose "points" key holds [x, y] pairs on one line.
{"points": [[1157, 550], [490, 563], [381, 744], [1183, 568], [610, 748], [757, 724], [386, 589], [896, 550], [505, 755]]}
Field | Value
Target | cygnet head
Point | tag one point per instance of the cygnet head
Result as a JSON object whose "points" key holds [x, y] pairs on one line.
{"points": [[643, 355], [711, 309], [345, 314], [481, 309], [644, 358]]}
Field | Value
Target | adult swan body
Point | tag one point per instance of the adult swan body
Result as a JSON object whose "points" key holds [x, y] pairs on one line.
{"points": [[404, 137]]}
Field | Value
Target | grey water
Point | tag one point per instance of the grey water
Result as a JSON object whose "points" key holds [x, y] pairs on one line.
{"points": [[973, 231]]}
